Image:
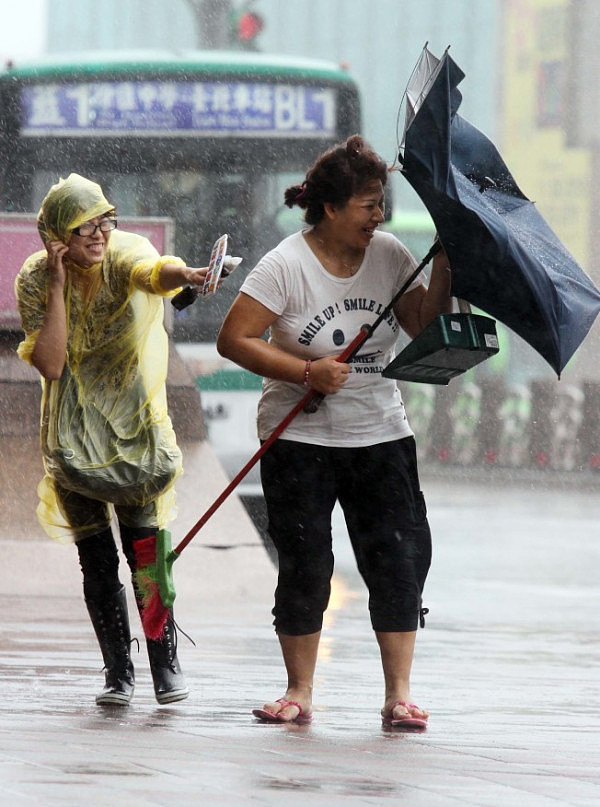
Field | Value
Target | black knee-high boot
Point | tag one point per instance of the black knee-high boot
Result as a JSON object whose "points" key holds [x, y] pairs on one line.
{"points": [[111, 623], [169, 683]]}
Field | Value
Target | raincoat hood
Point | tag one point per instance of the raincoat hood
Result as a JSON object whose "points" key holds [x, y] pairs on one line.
{"points": [[67, 205]]}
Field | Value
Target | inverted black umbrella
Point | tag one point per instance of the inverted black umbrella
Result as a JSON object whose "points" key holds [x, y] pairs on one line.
{"points": [[505, 259]]}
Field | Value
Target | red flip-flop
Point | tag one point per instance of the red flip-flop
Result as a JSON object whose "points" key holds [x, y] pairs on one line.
{"points": [[409, 721], [269, 717]]}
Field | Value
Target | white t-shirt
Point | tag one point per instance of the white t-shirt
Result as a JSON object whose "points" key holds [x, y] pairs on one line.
{"points": [[318, 315]]}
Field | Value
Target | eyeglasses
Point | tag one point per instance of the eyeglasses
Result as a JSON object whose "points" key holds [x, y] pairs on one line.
{"points": [[105, 226]]}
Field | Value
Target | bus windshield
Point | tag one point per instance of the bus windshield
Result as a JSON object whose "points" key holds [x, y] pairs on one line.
{"points": [[210, 140]]}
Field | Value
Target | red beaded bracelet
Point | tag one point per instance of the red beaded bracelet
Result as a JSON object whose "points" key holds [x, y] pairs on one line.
{"points": [[306, 372]]}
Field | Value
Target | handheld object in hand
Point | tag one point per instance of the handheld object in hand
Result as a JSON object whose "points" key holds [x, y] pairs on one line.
{"points": [[220, 266], [215, 266]]}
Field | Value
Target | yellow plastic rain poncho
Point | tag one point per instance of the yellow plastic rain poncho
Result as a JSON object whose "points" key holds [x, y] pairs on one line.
{"points": [[105, 431]]}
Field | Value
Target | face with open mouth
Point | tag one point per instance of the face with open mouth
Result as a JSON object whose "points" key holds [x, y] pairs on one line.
{"points": [[361, 216], [88, 241]]}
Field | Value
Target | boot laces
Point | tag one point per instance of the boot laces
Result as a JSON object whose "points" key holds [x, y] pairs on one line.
{"points": [[171, 641]]}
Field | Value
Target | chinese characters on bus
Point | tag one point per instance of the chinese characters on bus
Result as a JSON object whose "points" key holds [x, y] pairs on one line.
{"points": [[179, 108]]}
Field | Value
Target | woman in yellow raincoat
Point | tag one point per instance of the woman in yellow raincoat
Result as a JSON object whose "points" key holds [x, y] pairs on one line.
{"points": [[91, 308]]}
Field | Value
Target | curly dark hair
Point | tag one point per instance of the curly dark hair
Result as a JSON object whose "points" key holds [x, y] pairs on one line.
{"points": [[339, 173]]}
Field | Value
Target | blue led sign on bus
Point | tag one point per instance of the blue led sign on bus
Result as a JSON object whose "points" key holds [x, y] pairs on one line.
{"points": [[177, 109]]}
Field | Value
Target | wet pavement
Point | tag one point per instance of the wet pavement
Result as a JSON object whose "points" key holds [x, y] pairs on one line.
{"points": [[508, 665]]}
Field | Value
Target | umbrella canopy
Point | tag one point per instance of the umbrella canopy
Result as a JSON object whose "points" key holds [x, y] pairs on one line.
{"points": [[505, 258]]}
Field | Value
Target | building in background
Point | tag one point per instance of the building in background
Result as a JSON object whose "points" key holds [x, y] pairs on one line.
{"points": [[379, 42], [547, 145], [581, 101], [548, 170]]}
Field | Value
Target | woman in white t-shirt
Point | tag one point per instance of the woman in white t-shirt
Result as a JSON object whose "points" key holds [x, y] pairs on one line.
{"points": [[313, 293]]}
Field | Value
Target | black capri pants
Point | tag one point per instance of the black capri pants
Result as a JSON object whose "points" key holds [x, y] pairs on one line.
{"points": [[379, 493]]}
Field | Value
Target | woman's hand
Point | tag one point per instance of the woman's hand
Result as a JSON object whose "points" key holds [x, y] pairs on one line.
{"points": [[328, 375], [195, 276], [419, 306], [50, 350], [174, 275], [57, 252]]}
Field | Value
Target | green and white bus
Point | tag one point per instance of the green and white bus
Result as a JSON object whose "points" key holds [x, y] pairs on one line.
{"points": [[209, 139]]}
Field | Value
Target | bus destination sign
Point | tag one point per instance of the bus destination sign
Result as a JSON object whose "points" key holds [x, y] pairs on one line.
{"points": [[177, 109]]}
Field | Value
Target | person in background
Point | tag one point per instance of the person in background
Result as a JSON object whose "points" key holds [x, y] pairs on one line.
{"points": [[91, 306], [312, 293]]}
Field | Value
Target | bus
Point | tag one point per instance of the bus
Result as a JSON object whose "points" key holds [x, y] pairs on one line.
{"points": [[209, 139]]}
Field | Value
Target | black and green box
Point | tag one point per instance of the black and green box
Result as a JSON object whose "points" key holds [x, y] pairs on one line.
{"points": [[447, 347]]}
